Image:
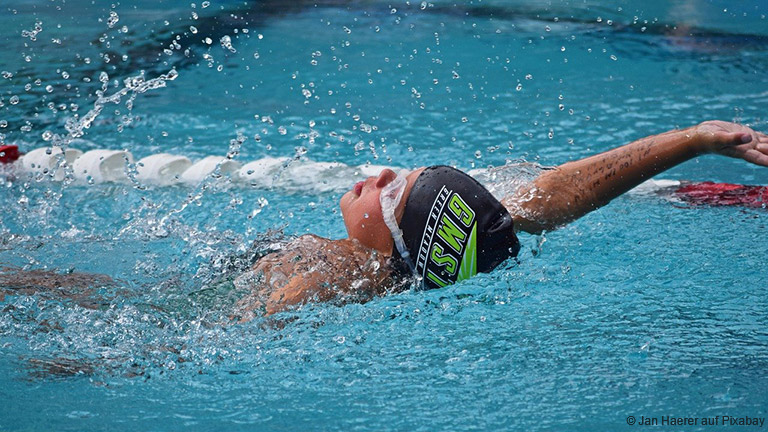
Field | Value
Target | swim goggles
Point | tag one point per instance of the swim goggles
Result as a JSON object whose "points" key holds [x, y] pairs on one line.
{"points": [[390, 198]]}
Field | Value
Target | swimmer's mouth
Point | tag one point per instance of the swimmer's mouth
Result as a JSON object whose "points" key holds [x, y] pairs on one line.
{"points": [[358, 188]]}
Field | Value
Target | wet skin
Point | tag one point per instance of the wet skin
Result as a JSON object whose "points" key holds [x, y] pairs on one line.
{"points": [[361, 210]]}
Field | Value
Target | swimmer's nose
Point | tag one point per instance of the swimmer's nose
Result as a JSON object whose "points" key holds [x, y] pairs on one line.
{"points": [[386, 176]]}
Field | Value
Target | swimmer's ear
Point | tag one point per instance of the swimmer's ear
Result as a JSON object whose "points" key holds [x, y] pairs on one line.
{"points": [[386, 177]]}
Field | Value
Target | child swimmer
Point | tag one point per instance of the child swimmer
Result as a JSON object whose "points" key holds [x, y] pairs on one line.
{"points": [[436, 225]]}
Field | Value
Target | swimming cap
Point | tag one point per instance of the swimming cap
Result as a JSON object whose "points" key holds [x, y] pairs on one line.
{"points": [[454, 228]]}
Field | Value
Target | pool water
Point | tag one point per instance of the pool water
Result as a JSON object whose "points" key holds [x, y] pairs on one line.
{"points": [[646, 307]]}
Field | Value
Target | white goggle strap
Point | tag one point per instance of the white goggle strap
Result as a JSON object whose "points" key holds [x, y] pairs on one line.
{"points": [[390, 198]]}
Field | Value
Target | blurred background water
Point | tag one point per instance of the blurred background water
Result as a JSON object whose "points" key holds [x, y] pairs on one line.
{"points": [[645, 307]]}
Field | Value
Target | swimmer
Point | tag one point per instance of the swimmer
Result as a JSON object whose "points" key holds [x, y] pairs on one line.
{"points": [[437, 225]]}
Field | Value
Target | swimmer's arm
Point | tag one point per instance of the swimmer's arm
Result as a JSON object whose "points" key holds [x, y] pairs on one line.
{"points": [[576, 188], [79, 287], [333, 270]]}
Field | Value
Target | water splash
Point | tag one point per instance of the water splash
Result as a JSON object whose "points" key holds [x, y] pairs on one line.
{"points": [[32, 34], [133, 86]]}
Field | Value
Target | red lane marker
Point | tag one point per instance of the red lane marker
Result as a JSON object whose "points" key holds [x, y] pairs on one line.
{"points": [[9, 153], [723, 194]]}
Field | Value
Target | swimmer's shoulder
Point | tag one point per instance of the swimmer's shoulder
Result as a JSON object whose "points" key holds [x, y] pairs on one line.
{"points": [[311, 247], [314, 268]]}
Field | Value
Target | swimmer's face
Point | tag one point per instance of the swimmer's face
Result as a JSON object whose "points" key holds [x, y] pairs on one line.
{"points": [[361, 210]]}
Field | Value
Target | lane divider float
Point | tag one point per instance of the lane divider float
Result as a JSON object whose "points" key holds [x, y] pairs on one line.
{"points": [[103, 166]]}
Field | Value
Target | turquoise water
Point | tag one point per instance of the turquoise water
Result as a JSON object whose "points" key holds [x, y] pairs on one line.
{"points": [[643, 308]]}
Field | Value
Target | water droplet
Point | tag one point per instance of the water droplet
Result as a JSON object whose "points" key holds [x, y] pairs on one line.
{"points": [[47, 135], [193, 29], [478, 154], [3, 123], [208, 41], [32, 34], [519, 87], [65, 75], [14, 100], [113, 19], [226, 42], [613, 57], [281, 130], [529, 77], [205, 4]]}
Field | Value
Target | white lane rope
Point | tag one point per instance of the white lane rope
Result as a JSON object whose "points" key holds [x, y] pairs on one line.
{"points": [[104, 166]]}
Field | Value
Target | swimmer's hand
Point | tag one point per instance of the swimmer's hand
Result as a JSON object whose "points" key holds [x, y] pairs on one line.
{"points": [[733, 140]]}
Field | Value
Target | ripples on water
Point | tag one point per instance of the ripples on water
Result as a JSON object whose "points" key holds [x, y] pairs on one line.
{"points": [[643, 308]]}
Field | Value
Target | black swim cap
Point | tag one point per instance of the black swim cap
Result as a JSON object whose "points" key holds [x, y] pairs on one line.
{"points": [[454, 228]]}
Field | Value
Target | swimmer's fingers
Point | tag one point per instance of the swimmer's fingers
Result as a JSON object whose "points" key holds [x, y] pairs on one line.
{"points": [[757, 157], [758, 154]]}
